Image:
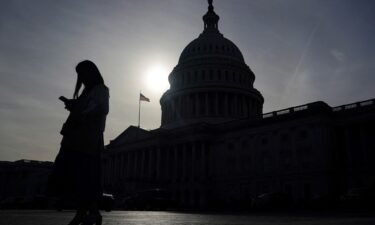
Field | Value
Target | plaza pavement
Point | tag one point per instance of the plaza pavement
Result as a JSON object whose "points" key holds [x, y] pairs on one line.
{"points": [[30, 217]]}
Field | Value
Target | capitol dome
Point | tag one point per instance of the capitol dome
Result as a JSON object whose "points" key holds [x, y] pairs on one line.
{"points": [[211, 44], [211, 82]]}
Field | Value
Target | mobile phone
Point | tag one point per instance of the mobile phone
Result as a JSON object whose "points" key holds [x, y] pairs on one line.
{"points": [[63, 99]]}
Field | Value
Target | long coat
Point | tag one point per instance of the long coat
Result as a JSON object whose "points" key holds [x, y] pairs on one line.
{"points": [[76, 174]]}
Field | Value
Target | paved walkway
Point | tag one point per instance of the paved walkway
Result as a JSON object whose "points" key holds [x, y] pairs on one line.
{"points": [[167, 218]]}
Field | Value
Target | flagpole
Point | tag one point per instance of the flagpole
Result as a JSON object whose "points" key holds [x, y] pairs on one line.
{"points": [[139, 109]]}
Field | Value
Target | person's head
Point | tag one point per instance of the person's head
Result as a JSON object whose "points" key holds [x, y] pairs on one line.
{"points": [[88, 75]]}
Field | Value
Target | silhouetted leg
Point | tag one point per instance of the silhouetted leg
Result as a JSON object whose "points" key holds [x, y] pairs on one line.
{"points": [[94, 216], [79, 217]]}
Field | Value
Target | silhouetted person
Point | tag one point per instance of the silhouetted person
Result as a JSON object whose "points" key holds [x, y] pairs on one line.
{"points": [[76, 175]]}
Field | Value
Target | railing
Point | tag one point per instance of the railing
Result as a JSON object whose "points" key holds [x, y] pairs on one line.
{"points": [[353, 105], [286, 111], [313, 105]]}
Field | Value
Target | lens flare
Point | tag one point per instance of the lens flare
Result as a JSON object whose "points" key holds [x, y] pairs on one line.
{"points": [[157, 78]]}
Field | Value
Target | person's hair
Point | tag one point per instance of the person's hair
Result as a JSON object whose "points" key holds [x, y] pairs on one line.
{"points": [[87, 74]]}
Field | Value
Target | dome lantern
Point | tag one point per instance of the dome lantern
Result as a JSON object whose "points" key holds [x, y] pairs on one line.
{"points": [[211, 19]]}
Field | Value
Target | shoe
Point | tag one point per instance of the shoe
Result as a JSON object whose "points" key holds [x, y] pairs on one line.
{"points": [[78, 219], [92, 219]]}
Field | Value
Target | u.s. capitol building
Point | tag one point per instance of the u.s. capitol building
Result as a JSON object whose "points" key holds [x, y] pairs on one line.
{"points": [[216, 146]]}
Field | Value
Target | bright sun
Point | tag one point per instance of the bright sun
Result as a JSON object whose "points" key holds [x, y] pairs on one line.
{"points": [[157, 78]]}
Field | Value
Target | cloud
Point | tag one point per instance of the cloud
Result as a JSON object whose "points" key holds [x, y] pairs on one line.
{"points": [[339, 56]]}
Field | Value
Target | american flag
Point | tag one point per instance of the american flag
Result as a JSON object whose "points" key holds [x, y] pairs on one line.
{"points": [[143, 98]]}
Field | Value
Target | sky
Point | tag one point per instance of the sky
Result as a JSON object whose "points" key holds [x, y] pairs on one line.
{"points": [[300, 51]]}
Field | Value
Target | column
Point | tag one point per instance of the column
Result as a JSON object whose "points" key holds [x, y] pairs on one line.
{"points": [[167, 164], [162, 164], [128, 165], [163, 114], [196, 112], [247, 106], [251, 107], [216, 105], [182, 107], [187, 110], [183, 162], [203, 160], [113, 172], [169, 111], [173, 106], [106, 173], [122, 165], [143, 164], [226, 105], [134, 164], [235, 105], [188, 162], [363, 144], [158, 163], [109, 168], [118, 157], [116, 166], [150, 163], [190, 106], [193, 161], [175, 163], [206, 104], [242, 102], [179, 108]]}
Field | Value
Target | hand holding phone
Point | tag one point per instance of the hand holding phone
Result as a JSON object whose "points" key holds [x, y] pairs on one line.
{"points": [[63, 99], [68, 102]]}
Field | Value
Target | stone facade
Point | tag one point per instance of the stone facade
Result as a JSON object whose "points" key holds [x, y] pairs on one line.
{"points": [[23, 178]]}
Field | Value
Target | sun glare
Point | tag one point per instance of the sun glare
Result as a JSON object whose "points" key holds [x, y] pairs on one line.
{"points": [[157, 78]]}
